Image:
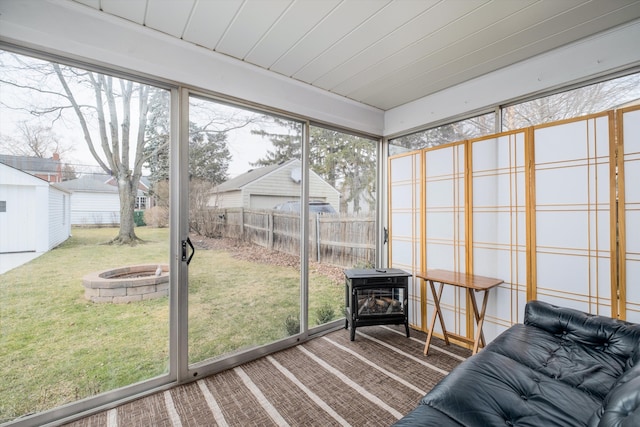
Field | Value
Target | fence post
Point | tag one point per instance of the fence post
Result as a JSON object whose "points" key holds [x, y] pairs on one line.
{"points": [[313, 235], [318, 237], [270, 226], [242, 223]]}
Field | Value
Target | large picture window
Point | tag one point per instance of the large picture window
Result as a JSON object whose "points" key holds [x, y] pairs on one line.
{"points": [[473, 127], [591, 99]]}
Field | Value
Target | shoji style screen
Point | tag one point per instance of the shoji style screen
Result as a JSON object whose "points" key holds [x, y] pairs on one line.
{"points": [[573, 218], [445, 227], [630, 214], [405, 221], [499, 232]]}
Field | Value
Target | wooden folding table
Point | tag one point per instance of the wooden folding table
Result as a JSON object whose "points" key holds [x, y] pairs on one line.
{"points": [[472, 284]]}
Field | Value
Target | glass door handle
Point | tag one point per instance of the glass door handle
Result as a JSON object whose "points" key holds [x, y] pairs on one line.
{"points": [[184, 250]]}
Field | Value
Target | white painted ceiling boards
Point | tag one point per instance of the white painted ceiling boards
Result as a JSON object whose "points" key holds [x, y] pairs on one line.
{"points": [[383, 53]]}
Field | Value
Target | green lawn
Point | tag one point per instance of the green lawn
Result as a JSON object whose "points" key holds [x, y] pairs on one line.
{"points": [[56, 347]]}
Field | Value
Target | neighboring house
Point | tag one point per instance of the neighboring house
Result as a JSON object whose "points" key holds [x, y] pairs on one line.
{"points": [[266, 187], [95, 199], [143, 201], [34, 214], [48, 169]]}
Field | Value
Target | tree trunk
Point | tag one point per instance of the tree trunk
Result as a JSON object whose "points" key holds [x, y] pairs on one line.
{"points": [[127, 189]]}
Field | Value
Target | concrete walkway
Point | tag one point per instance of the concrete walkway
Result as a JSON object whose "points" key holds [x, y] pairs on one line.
{"points": [[11, 261]]}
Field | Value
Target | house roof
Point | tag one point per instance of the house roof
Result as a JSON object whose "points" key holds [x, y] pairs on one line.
{"points": [[89, 183], [31, 164], [13, 171], [248, 177]]}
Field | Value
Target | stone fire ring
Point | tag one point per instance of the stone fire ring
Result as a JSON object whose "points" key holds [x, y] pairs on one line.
{"points": [[127, 284]]}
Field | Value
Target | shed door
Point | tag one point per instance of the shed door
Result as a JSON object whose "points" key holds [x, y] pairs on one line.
{"points": [[17, 222]]}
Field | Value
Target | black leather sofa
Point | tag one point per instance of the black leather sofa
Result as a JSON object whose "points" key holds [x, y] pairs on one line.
{"points": [[562, 367]]}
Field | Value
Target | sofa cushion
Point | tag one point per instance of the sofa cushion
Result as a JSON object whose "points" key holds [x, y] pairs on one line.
{"points": [[584, 367], [492, 389]]}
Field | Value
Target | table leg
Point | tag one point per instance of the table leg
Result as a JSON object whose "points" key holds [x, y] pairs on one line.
{"points": [[476, 313], [436, 313], [479, 333]]}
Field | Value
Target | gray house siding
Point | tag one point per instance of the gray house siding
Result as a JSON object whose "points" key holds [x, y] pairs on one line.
{"points": [[266, 187]]}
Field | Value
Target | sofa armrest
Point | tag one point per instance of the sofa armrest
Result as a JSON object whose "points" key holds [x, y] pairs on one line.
{"points": [[603, 333], [621, 407]]}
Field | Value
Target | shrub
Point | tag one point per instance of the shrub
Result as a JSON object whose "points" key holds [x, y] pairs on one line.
{"points": [[292, 324], [325, 314], [157, 217], [138, 218]]}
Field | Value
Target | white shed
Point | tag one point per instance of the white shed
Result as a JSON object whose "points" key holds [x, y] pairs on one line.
{"points": [[34, 214], [266, 187]]}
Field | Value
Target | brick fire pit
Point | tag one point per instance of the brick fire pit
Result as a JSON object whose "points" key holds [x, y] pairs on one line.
{"points": [[127, 284]]}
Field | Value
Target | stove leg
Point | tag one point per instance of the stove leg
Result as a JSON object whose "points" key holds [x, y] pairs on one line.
{"points": [[353, 333], [406, 326]]}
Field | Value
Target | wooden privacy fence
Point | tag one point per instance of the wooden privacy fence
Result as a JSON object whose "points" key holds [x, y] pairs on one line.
{"points": [[341, 240]]}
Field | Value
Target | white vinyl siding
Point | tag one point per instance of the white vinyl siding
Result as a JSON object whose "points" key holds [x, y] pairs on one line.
{"points": [[59, 218], [95, 208]]}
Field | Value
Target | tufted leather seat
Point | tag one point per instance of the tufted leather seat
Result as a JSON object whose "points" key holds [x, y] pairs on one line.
{"points": [[562, 367]]}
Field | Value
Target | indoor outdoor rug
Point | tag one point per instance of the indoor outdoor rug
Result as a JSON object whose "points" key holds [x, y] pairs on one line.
{"points": [[328, 381]]}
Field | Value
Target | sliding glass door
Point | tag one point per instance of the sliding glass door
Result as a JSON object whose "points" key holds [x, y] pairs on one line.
{"points": [[245, 193], [342, 216], [84, 237], [105, 185]]}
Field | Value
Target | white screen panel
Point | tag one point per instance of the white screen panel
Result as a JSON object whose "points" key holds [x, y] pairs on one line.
{"points": [[632, 178], [632, 220], [565, 142], [499, 227], [402, 197], [485, 190], [402, 253], [573, 216], [445, 227], [401, 170], [440, 194], [440, 162], [562, 301], [401, 224], [440, 256], [633, 292], [631, 164], [404, 226], [563, 229], [561, 186]]}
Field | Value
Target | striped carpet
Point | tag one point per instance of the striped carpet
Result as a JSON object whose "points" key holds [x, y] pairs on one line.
{"points": [[328, 381]]}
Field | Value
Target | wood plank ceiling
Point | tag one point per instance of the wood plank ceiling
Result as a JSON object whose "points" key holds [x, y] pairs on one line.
{"points": [[383, 53]]}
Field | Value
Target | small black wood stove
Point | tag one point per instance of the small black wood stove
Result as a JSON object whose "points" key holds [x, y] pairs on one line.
{"points": [[376, 297]]}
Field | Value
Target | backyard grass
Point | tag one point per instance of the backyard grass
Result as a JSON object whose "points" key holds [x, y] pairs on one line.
{"points": [[56, 347]]}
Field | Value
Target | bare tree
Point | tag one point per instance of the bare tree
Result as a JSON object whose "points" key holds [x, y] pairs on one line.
{"points": [[574, 103], [109, 104], [36, 140]]}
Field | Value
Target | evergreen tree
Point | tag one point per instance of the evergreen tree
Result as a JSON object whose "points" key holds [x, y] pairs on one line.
{"points": [[347, 162], [209, 155]]}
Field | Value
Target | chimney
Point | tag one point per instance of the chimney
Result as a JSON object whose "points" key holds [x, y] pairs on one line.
{"points": [[56, 157]]}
